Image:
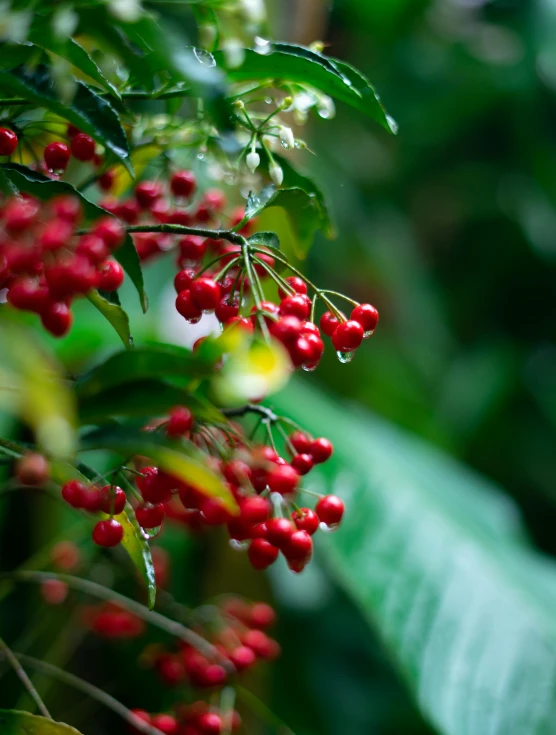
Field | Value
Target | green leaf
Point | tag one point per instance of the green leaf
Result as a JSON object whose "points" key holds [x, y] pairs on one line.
{"points": [[42, 34], [114, 313], [265, 239], [144, 398], [88, 111], [181, 459], [436, 559], [295, 64], [32, 182], [303, 212], [134, 541], [13, 722]]}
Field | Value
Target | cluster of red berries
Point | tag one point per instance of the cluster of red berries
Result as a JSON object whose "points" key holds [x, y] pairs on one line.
{"points": [[197, 718], [113, 622], [45, 264]]}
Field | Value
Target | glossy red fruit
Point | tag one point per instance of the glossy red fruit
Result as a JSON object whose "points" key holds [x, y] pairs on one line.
{"points": [[92, 248], [111, 276], [113, 499], [262, 553], [192, 247], [298, 305], [328, 323], [170, 670], [92, 499], [211, 676], [279, 531], [57, 156], [73, 492], [166, 724], [320, 450], [261, 615], [55, 234], [239, 322], [83, 147], [8, 142], [210, 723], [141, 715], [214, 200], [57, 319], [107, 180], [367, 316], [67, 207], [180, 421], [205, 293], [108, 533], [227, 309], [287, 329], [267, 307], [183, 184], [299, 546], [183, 279], [242, 657], [330, 510], [147, 192], [283, 479], [19, 214], [110, 231], [347, 336], [153, 486], [150, 516], [302, 463], [306, 519], [186, 307], [296, 283], [213, 513], [300, 442], [255, 509], [261, 644], [28, 295]]}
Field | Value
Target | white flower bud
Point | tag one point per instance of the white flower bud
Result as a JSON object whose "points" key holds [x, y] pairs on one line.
{"points": [[253, 10], [326, 108], [276, 174], [127, 10], [252, 160], [286, 137], [234, 53]]}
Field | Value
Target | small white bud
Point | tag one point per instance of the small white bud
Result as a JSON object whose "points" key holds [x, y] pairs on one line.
{"points": [[127, 10], [326, 108], [276, 174], [252, 160], [286, 137], [253, 10], [234, 53]]}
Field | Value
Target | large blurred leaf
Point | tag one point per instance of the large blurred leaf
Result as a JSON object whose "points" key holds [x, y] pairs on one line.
{"points": [[43, 34], [87, 110], [33, 182], [114, 313], [436, 559], [182, 460], [296, 64], [13, 722]]}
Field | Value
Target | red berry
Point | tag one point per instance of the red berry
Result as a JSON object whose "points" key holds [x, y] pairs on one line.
{"points": [[239, 322], [110, 231], [73, 493], [261, 615], [320, 450], [205, 293], [55, 234], [347, 336], [287, 329], [302, 463], [113, 499], [300, 442], [92, 248], [57, 319], [19, 214], [186, 307], [328, 323], [67, 207], [301, 352], [367, 316], [106, 181], [263, 646], [242, 657], [108, 533], [56, 156], [210, 676], [71, 130], [227, 309], [214, 200], [111, 276], [154, 486], [147, 192], [267, 307], [150, 516], [279, 531], [128, 211], [283, 479], [210, 723], [254, 509], [299, 546], [141, 715], [83, 147], [262, 553], [330, 510], [298, 285], [192, 247], [298, 305], [8, 142], [183, 184], [32, 469], [170, 669], [92, 499], [28, 295], [306, 520], [166, 724], [213, 513], [184, 279], [179, 422]]}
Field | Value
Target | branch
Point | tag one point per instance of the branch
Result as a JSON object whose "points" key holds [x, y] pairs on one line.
{"points": [[232, 237], [267, 413], [27, 683]]}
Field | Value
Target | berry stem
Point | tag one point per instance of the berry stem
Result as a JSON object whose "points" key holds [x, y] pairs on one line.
{"points": [[276, 277], [168, 229], [22, 676], [252, 408]]}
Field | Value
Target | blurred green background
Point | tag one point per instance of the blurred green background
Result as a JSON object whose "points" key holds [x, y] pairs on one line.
{"points": [[450, 229]]}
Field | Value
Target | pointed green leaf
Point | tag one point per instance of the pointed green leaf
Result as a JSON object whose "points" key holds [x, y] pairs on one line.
{"points": [[114, 313], [87, 110], [13, 722], [436, 559]]}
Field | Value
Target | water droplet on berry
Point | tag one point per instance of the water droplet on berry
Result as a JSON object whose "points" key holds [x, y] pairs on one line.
{"points": [[152, 532], [345, 356], [196, 320], [309, 368], [328, 529], [368, 334], [238, 545]]}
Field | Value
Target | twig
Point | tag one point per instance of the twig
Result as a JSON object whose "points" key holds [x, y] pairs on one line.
{"points": [[20, 671]]}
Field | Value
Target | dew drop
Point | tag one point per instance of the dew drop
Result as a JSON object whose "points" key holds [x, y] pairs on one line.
{"points": [[309, 367], [262, 45], [284, 145], [238, 545], [368, 334], [201, 155], [194, 321], [345, 356], [152, 532], [204, 57], [269, 100]]}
